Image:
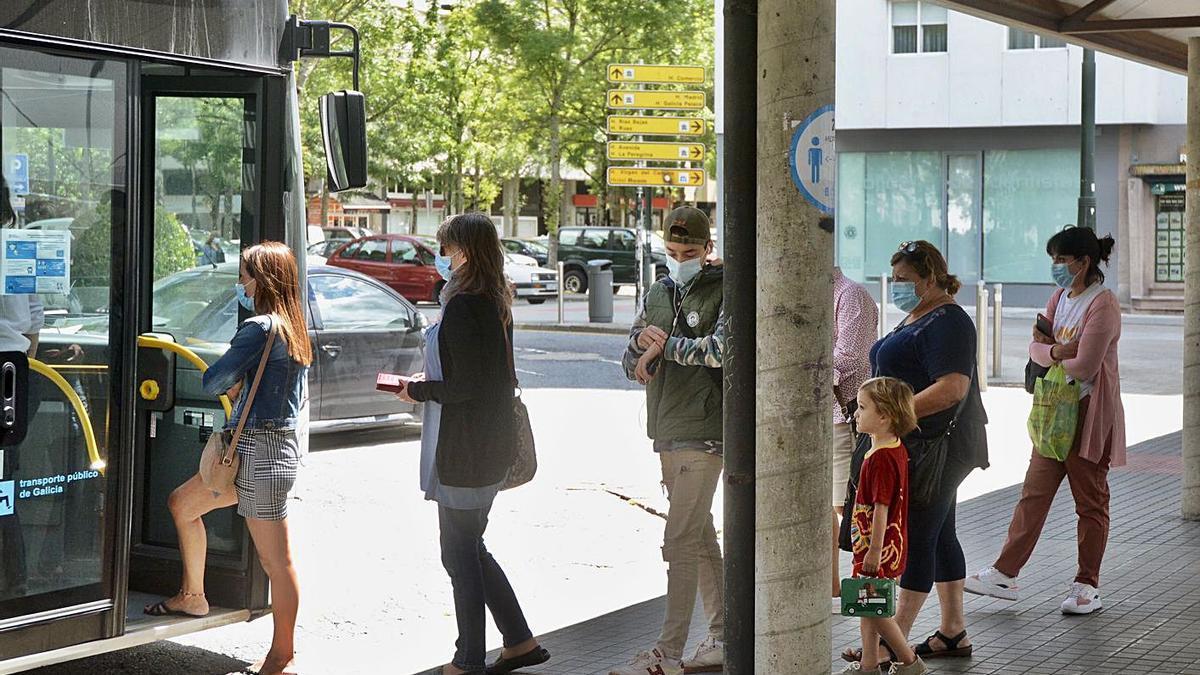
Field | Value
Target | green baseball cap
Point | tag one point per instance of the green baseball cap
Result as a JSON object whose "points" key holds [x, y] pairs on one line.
{"points": [[693, 219]]}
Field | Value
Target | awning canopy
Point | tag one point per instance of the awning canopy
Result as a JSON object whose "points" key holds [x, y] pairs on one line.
{"points": [[1151, 31]]}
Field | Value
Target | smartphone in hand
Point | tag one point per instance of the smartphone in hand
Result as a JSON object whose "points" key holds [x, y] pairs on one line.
{"points": [[1044, 326]]}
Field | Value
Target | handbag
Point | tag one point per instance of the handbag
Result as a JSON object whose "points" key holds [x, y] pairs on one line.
{"points": [[219, 461], [927, 457], [524, 465], [1033, 372], [872, 596]]}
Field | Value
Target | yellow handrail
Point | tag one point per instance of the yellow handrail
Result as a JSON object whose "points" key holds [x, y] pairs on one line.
{"points": [[89, 436], [148, 341]]}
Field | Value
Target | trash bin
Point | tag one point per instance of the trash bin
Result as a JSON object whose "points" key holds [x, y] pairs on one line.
{"points": [[600, 291]]}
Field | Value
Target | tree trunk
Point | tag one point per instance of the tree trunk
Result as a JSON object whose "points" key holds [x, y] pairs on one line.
{"points": [[794, 383], [324, 203], [1191, 310], [511, 198], [412, 224]]}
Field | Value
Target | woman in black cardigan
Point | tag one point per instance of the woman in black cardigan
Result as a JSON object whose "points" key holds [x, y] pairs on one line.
{"points": [[467, 438]]}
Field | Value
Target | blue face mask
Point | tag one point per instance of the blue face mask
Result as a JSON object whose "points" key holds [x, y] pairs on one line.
{"points": [[1061, 273], [243, 299], [442, 264], [904, 296]]}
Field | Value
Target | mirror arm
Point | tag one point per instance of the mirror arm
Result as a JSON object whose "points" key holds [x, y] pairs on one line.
{"points": [[303, 38]]}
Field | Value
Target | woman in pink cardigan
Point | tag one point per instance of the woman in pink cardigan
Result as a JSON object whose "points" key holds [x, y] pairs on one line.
{"points": [[1086, 320]]}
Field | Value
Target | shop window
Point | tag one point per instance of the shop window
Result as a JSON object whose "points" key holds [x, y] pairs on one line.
{"points": [[1028, 195], [919, 26], [883, 199], [1170, 243]]}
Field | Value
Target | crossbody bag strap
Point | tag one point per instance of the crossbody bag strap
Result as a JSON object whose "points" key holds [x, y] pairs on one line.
{"points": [[512, 368], [227, 459], [963, 403]]}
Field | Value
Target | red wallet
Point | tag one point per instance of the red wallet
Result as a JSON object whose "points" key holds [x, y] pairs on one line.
{"points": [[389, 382]]}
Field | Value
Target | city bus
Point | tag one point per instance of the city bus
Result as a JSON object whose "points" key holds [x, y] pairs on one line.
{"points": [[132, 135]]}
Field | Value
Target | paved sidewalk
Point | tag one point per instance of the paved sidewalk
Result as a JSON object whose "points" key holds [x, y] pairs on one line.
{"points": [[1149, 624]]}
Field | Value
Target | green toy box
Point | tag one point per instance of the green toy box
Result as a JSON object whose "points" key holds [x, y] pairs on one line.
{"points": [[868, 596]]}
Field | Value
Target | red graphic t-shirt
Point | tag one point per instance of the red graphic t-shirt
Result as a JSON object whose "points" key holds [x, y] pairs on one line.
{"points": [[883, 479]]}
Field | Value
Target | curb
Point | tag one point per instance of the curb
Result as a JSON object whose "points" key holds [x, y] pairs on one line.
{"points": [[593, 328]]}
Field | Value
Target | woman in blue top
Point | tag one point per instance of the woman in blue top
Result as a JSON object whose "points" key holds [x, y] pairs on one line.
{"points": [[269, 448], [467, 438]]}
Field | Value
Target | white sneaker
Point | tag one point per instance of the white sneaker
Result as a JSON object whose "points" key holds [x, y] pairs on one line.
{"points": [[709, 657], [1083, 599], [992, 583], [649, 663]]}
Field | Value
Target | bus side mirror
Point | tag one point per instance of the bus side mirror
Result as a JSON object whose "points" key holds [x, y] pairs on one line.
{"points": [[344, 130]]}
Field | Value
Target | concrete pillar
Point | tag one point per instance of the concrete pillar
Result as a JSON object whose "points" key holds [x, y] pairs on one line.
{"points": [[794, 386], [1191, 316]]}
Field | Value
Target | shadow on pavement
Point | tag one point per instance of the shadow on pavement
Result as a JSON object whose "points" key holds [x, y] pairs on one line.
{"points": [[159, 657]]}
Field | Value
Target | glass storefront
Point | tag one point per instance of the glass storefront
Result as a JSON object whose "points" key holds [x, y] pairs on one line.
{"points": [[62, 126], [1170, 240], [990, 212]]}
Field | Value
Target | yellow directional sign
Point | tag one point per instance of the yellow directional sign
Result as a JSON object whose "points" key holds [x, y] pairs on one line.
{"points": [[668, 152], [661, 100], [628, 72], [623, 175], [656, 126]]}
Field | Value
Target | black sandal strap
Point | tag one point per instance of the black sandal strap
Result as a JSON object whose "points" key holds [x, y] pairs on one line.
{"points": [[950, 642]]}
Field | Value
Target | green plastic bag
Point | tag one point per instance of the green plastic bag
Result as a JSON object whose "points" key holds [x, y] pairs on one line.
{"points": [[1055, 412]]}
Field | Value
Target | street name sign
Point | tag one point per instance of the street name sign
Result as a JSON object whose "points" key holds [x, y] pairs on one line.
{"points": [[657, 100], [656, 126], [638, 177], [628, 72], [666, 152]]}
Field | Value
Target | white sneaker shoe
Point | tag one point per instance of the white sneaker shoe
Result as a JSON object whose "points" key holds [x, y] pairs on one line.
{"points": [[649, 663], [992, 583], [709, 657], [1083, 599]]}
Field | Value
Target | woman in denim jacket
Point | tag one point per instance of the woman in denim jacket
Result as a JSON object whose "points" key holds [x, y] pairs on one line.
{"points": [[269, 447]]}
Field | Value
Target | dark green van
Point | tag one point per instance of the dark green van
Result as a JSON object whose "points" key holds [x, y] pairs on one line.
{"points": [[578, 245]]}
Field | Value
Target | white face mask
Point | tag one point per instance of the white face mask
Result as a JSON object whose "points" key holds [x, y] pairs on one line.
{"points": [[683, 272]]}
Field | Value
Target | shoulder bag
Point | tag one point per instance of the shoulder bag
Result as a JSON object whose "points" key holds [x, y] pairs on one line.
{"points": [[524, 464], [219, 462]]}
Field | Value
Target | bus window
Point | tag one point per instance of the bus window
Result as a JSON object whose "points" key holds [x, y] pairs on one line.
{"points": [[62, 143]]}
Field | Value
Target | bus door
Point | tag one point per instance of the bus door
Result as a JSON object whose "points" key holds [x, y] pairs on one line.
{"points": [[63, 148], [206, 178]]}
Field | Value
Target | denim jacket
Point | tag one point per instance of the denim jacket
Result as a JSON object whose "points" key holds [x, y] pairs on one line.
{"points": [[283, 390]]}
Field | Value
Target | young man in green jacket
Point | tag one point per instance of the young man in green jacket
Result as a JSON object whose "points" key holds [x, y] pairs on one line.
{"points": [[675, 349]]}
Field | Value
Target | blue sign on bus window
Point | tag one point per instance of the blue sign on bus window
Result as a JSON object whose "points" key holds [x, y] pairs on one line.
{"points": [[16, 173]]}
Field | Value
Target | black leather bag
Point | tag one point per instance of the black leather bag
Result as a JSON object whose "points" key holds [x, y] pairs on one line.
{"points": [[1033, 373]]}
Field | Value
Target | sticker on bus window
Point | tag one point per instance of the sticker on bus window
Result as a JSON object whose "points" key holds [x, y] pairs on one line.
{"points": [[35, 261]]}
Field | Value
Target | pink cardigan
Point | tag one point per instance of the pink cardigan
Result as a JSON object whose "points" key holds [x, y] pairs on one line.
{"points": [[1097, 360]]}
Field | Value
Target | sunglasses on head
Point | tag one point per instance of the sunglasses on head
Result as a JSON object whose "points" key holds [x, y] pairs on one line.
{"points": [[908, 247]]}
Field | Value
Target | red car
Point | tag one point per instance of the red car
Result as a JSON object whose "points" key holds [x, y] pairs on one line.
{"points": [[402, 262]]}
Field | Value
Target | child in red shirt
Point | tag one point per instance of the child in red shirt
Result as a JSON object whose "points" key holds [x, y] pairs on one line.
{"points": [[878, 526]]}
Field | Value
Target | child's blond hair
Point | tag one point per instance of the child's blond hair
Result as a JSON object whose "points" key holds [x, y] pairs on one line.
{"points": [[894, 398]]}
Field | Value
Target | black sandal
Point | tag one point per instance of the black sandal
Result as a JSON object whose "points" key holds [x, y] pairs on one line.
{"points": [[534, 657], [161, 609], [926, 651]]}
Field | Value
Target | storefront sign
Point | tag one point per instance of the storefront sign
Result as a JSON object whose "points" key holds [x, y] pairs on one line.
{"points": [[35, 261], [1167, 188], [812, 160]]}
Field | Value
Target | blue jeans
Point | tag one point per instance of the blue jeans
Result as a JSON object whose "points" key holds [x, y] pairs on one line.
{"points": [[477, 581]]}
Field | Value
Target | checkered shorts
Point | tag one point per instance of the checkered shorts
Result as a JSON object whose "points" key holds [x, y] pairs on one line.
{"points": [[269, 460]]}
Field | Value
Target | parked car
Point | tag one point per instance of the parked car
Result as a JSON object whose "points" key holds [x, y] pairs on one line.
{"points": [[529, 281], [403, 262], [358, 327], [532, 249], [578, 245], [325, 248]]}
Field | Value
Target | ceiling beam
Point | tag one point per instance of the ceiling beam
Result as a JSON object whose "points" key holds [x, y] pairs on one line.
{"points": [[1076, 18], [1124, 25]]}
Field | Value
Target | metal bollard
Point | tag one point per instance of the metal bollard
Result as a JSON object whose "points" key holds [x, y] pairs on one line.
{"points": [[981, 301], [883, 303], [560, 292], [997, 330]]}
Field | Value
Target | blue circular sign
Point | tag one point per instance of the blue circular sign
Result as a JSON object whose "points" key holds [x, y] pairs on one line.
{"points": [[812, 160]]}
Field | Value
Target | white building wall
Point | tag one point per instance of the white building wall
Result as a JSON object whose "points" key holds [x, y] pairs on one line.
{"points": [[979, 82]]}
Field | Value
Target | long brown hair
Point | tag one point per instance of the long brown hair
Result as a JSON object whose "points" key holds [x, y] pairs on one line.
{"points": [[483, 271], [277, 291]]}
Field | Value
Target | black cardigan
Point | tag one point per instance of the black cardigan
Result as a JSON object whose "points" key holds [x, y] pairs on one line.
{"points": [[475, 440]]}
